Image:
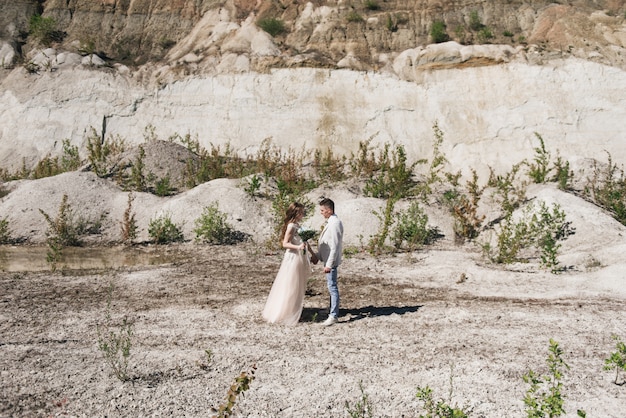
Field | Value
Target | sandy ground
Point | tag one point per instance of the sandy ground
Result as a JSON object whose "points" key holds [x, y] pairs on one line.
{"points": [[441, 317], [407, 322]]}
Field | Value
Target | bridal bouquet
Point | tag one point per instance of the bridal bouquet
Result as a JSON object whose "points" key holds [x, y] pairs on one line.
{"points": [[306, 234]]}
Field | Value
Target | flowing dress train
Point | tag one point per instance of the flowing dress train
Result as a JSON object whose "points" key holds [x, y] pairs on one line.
{"points": [[286, 298]]}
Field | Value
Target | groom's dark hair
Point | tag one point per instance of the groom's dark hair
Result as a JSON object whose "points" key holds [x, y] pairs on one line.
{"points": [[328, 203]]}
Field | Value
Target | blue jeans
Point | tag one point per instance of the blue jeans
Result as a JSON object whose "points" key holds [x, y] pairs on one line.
{"points": [[331, 281]]}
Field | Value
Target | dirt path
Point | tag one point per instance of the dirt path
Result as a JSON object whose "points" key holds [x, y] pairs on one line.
{"points": [[397, 332]]}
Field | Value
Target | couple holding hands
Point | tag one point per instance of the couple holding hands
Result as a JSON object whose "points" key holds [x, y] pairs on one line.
{"points": [[286, 298]]}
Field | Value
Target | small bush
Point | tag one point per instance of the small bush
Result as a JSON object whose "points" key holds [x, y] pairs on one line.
{"points": [[212, 226], [372, 5], [5, 232], [539, 229], [412, 228], [354, 17], [162, 230], [617, 360], [394, 178], [99, 151], [538, 169], [607, 189], [241, 385], [163, 187], [129, 224], [438, 32], [44, 30], [115, 341], [544, 397], [272, 26], [361, 408], [475, 23]]}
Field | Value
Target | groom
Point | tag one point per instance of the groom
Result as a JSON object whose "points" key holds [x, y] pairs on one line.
{"points": [[329, 250]]}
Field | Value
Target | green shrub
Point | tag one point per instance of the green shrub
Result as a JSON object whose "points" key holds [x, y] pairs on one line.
{"points": [[212, 226], [394, 178], [544, 397], [241, 385], [162, 230], [44, 30], [272, 26], [99, 151], [115, 341], [510, 191], [539, 229], [475, 23], [163, 187], [361, 408], [538, 169], [372, 5], [354, 17], [412, 228], [438, 32], [485, 35], [464, 209], [607, 189], [563, 175], [129, 223], [5, 232], [617, 360]]}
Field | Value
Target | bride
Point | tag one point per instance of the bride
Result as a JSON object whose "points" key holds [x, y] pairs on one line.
{"points": [[286, 298]]}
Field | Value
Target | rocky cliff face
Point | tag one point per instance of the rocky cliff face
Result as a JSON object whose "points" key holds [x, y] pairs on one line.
{"points": [[351, 33], [332, 74]]}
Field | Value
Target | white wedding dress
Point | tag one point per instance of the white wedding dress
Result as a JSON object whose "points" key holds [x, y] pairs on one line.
{"points": [[285, 301]]}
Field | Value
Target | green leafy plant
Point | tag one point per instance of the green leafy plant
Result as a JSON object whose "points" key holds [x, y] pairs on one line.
{"points": [[607, 189], [163, 231], [354, 17], [563, 175], [129, 223], [115, 341], [44, 30], [361, 408], [617, 360], [272, 25], [377, 241], [371, 5], [137, 179], [61, 232], [464, 207], [253, 185], [163, 187], [241, 385], [412, 228], [5, 232], [394, 178], [99, 150], [475, 23], [538, 169], [539, 228], [438, 32], [509, 190], [212, 226], [439, 408], [544, 397]]}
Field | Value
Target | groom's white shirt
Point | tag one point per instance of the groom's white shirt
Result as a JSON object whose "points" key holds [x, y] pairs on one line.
{"points": [[330, 242]]}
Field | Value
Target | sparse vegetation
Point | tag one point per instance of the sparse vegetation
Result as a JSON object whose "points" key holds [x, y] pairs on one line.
{"points": [[44, 30], [440, 408], [129, 223], [544, 397], [115, 341], [241, 385], [438, 32], [538, 228], [362, 408], [5, 232], [617, 359], [272, 25], [163, 231], [212, 227], [607, 189], [412, 228]]}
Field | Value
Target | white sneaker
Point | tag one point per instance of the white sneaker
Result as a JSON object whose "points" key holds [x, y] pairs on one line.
{"points": [[331, 320]]}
